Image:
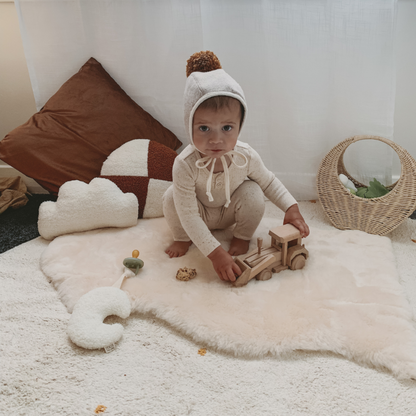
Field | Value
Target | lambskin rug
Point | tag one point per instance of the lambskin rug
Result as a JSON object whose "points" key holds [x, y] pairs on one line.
{"points": [[347, 299]]}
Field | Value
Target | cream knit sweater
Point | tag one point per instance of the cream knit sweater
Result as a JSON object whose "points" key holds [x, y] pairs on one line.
{"points": [[189, 184]]}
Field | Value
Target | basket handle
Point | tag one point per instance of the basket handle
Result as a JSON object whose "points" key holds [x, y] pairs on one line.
{"points": [[408, 164]]}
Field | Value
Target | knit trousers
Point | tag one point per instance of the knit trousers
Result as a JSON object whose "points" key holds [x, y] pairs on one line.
{"points": [[245, 211]]}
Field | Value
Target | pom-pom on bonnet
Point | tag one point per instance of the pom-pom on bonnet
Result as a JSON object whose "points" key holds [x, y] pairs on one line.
{"points": [[203, 61]]}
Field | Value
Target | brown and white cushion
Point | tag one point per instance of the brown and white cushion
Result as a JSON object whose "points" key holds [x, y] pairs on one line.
{"points": [[144, 168]]}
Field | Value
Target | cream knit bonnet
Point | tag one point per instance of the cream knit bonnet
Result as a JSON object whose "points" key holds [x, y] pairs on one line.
{"points": [[206, 79]]}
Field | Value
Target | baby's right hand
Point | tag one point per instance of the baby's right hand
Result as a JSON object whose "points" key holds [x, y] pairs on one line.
{"points": [[224, 264]]}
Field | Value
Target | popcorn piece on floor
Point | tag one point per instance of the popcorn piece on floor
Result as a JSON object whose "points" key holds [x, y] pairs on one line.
{"points": [[100, 409], [202, 351], [185, 274]]}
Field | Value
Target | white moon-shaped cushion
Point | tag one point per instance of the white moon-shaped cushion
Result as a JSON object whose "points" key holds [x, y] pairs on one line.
{"points": [[86, 327]]}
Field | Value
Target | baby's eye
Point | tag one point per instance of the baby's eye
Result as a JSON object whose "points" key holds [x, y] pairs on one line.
{"points": [[227, 128], [204, 128]]}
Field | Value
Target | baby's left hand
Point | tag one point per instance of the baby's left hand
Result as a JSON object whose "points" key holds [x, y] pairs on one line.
{"points": [[294, 217]]}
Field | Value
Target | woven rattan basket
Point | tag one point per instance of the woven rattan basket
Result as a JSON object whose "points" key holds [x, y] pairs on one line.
{"points": [[377, 215]]}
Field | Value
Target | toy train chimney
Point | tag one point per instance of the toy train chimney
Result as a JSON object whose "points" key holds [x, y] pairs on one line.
{"points": [[259, 245]]}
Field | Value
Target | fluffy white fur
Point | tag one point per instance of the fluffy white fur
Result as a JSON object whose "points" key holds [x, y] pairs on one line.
{"points": [[82, 207], [347, 299]]}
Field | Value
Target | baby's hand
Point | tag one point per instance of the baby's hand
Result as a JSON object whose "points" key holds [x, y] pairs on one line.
{"points": [[224, 264], [294, 217]]}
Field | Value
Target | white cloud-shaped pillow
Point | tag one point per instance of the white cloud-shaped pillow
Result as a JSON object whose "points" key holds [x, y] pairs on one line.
{"points": [[83, 207]]}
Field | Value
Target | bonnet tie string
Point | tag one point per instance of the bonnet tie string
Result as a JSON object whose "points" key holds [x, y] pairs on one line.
{"points": [[204, 163]]}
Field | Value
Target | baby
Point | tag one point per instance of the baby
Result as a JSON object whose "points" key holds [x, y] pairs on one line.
{"points": [[219, 181]]}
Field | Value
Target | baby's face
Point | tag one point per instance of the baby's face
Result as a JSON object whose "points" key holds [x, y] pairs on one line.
{"points": [[215, 132]]}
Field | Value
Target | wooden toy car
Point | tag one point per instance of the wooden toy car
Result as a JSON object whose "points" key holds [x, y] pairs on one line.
{"points": [[286, 252]]}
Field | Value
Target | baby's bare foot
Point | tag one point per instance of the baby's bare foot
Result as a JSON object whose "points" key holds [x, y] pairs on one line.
{"points": [[238, 246], [178, 248]]}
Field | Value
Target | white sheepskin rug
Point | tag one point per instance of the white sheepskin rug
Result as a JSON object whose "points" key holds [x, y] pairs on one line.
{"points": [[347, 299]]}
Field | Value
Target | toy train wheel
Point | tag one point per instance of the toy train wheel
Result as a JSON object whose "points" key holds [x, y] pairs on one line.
{"points": [[298, 262], [264, 275]]}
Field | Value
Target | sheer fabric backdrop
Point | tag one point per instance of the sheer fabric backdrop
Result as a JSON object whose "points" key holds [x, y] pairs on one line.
{"points": [[314, 72]]}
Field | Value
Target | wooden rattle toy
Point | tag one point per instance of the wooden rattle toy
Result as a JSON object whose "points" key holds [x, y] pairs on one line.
{"points": [[285, 252]]}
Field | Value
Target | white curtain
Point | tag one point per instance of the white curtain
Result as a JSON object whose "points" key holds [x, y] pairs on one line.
{"points": [[314, 72]]}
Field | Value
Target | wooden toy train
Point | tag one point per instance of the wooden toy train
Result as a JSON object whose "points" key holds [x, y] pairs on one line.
{"points": [[286, 252]]}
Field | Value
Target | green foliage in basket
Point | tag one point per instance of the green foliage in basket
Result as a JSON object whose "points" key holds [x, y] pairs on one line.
{"points": [[374, 190]]}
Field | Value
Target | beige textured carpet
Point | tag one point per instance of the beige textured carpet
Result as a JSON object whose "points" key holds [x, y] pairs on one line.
{"points": [[156, 368]]}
